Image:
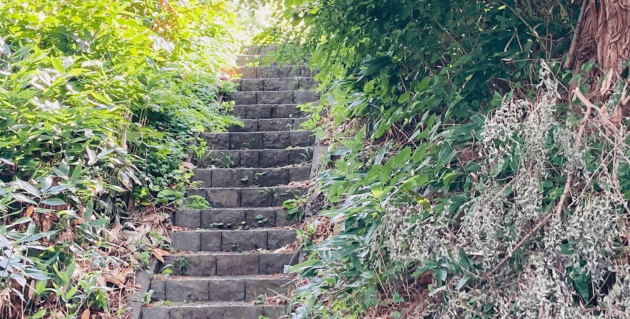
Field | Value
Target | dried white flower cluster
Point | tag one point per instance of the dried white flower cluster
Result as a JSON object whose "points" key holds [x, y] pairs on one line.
{"points": [[397, 225], [583, 241]]}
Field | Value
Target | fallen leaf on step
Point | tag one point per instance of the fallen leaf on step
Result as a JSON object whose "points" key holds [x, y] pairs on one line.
{"points": [[160, 253]]}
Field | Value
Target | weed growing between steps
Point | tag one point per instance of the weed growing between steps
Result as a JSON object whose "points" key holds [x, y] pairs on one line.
{"points": [[468, 174], [99, 102]]}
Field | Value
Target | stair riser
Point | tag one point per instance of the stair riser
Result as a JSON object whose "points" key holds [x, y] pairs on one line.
{"points": [[217, 289], [258, 140], [267, 125], [256, 158], [213, 312], [243, 60], [230, 218], [246, 197], [232, 241], [244, 264], [258, 50], [275, 97], [279, 84], [275, 72], [267, 111], [245, 177]]}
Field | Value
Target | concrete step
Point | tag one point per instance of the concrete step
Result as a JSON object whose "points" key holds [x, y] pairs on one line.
{"points": [[244, 59], [258, 50], [275, 97], [246, 196], [219, 289], [229, 264], [258, 140], [248, 177], [232, 240], [262, 72], [267, 111], [231, 218], [266, 125], [213, 310], [256, 158], [275, 84]]}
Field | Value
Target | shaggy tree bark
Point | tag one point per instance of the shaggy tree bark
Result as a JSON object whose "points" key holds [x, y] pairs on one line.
{"points": [[602, 34]]}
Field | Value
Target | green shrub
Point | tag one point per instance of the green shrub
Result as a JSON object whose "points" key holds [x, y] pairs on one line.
{"points": [[414, 90], [99, 101]]}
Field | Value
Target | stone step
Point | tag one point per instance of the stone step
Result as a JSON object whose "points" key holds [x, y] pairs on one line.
{"points": [[257, 158], [220, 289], [267, 111], [258, 50], [232, 240], [275, 84], [263, 72], [266, 125], [246, 196], [258, 140], [229, 264], [213, 310], [248, 177], [275, 97], [231, 218], [244, 59]]}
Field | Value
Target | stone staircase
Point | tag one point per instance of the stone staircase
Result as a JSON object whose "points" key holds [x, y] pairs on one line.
{"points": [[225, 262]]}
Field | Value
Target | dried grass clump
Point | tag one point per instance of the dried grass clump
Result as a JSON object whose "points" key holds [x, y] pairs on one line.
{"points": [[580, 233]]}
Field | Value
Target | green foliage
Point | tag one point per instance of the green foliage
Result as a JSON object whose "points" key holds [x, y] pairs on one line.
{"points": [[98, 103], [419, 77], [294, 207]]}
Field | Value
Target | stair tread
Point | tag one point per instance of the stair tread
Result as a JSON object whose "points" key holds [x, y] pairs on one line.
{"points": [[288, 149], [206, 304], [229, 253], [234, 208], [259, 140], [261, 187], [266, 132], [253, 168], [278, 118], [261, 229], [269, 104], [297, 77], [284, 277], [297, 90]]}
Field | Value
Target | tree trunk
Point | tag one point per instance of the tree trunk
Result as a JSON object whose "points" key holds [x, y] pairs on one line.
{"points": [[603, 34]]}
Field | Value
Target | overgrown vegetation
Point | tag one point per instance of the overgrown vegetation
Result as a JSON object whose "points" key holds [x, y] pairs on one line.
{"points": [[99, 101], [469, 175]]}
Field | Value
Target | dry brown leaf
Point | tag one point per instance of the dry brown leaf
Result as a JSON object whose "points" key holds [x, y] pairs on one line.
{"points": [[160, 253], [188, 165], [121, 273], [67, 235], [46, 225], [114, 232], [31, 289], [30, 211], [100, 280], [85, 314]]}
